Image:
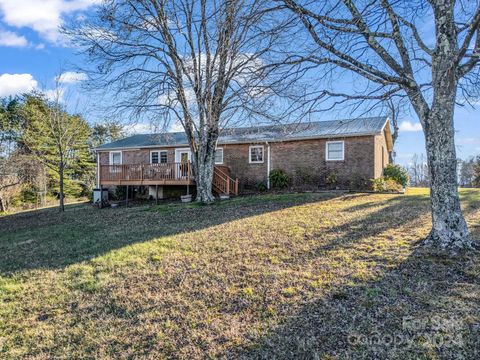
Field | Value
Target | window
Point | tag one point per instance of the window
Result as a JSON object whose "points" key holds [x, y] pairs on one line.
{"points": [[256, 154], [219, 156], [334, 150], [115, 157], [154, 157], [158, 157], [163, 157]]}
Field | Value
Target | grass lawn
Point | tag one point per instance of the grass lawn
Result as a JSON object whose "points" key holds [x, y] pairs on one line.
{"points": [[314, 276]]}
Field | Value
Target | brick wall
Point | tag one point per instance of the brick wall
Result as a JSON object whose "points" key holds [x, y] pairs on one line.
{"points": [[303, 160], [381, 154], [307, 159], [235, 156]]}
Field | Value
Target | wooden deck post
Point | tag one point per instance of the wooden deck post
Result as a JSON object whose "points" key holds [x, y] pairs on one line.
{"points": [[126, 198], [156, 194]]}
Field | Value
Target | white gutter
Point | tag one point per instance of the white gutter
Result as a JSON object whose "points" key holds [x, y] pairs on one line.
{"points": [[268, 164]]}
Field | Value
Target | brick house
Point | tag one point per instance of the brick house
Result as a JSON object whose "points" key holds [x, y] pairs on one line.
{"points": [[340, 153]]}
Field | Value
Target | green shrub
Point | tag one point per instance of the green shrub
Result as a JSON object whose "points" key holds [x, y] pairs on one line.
{"points": [[279, 178], [261, 186], [397, 173], [119, 193], [332, 178], [383, 184], [359, 182]]}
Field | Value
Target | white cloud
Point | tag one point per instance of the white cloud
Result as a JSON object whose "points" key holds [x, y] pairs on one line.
{"points": [[153, 127], [8, 38], [138, 128], [71, 77], [14, 84], [43, 16], [176, 127], [56, 95], [98, 34], [410, 127]]}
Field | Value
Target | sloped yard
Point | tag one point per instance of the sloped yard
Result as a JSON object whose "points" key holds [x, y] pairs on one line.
{"points": [[308, 275]]}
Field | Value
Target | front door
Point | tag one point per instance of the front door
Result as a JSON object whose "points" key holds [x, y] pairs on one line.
{"points": [[182, 158]]}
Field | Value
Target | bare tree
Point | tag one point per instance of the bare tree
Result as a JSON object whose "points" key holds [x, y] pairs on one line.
{"points": [[418, 171], [194, 62], [466, 171], [380, 43], [59, 140], [9, 184], [16, 170], [394, 110]]}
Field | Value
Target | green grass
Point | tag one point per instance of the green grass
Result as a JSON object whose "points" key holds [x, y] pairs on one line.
{"points": [[272, 276]]}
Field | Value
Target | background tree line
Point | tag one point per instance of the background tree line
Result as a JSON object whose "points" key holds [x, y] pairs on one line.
{"points": [[46, 153], [468, 171]]}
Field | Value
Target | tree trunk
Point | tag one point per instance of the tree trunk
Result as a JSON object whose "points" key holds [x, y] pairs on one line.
{"points": [[62, 196], [449, 229], [3, 207], [203, 163]]}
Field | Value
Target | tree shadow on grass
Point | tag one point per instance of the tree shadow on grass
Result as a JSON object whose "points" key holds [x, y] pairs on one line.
{"points": [[47, 239], [226, 292], [425, 305]]}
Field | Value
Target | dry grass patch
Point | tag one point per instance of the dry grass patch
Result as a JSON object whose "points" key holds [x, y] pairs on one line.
{"points": [[268, 276]]}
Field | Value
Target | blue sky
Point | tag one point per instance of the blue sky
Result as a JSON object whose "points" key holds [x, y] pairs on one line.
{"points": [[33, 53]]}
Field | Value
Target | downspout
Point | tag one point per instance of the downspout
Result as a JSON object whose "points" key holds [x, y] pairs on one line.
{"points": [[268, 165], [98, 170]]}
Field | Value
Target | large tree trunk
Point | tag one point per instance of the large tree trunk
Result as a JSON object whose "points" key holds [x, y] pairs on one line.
{"points": [[3, 206], [203, 162], [62, 196], [449, 229]]}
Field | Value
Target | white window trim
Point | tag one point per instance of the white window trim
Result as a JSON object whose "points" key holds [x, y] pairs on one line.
{"points": [[110, 157], [151, 155], [219, 163], [159, 156], [180, 150], [335, 142], [250, 154]]}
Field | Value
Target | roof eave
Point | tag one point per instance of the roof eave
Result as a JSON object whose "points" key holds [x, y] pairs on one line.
{"points": [[388, 134], [336, 136]]}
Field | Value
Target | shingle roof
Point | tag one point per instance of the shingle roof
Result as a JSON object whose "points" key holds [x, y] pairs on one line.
{"points": [[317, 129]]}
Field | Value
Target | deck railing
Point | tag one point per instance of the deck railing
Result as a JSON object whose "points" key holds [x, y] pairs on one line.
{"points": [[147, 172], [169, 173], [223, 183]]}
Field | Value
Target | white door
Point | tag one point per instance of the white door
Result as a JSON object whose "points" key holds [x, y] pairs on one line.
{"points": [[182, 158]]}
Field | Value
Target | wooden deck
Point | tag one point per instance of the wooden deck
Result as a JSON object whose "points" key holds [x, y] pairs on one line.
{"points": [[147, 174], [164, 174]]}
